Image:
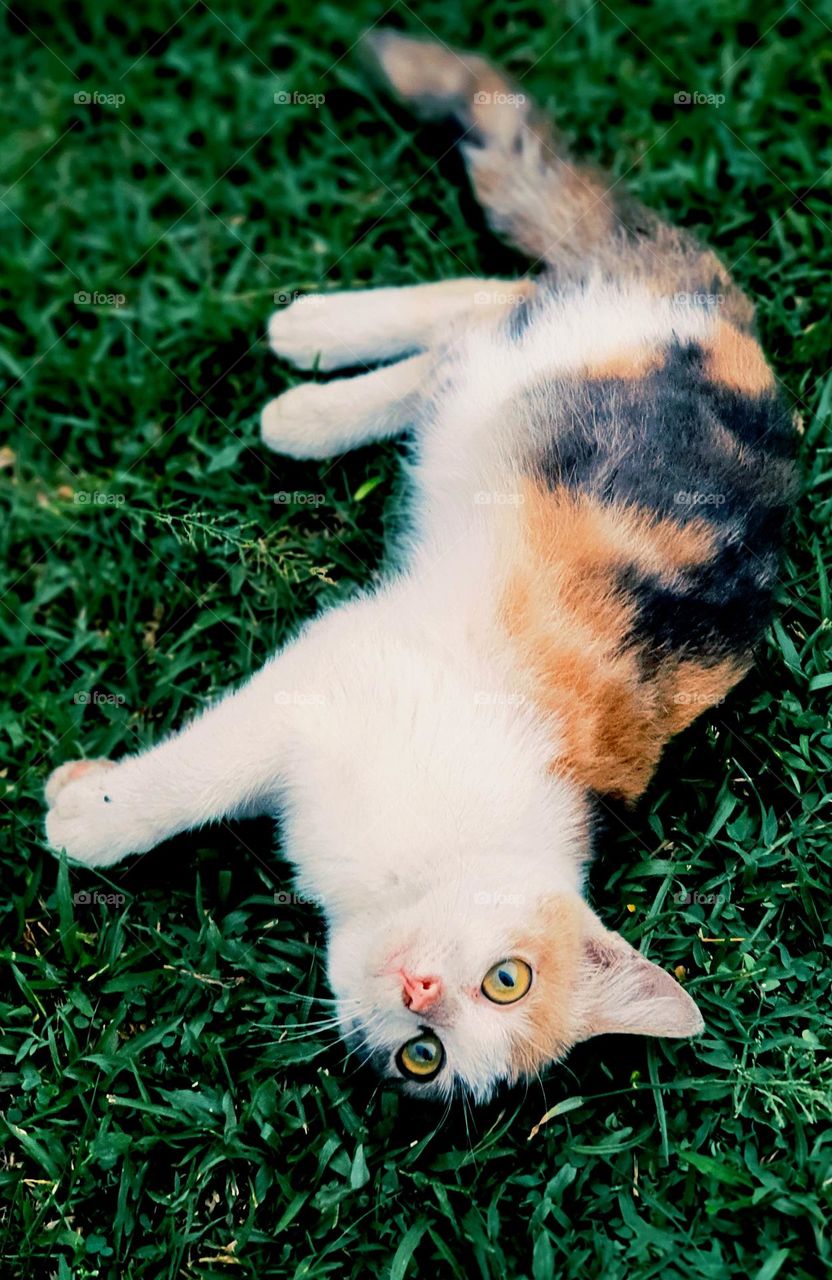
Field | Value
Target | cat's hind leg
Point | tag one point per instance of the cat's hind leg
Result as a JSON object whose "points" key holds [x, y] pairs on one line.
{"points": [[367, 326], [321, 419]]}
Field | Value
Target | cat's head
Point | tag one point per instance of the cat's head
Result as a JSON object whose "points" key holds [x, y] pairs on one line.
{"points": [[468, 988]]}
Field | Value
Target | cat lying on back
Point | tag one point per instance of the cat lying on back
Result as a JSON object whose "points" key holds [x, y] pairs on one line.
{"points": [[567, 603]]}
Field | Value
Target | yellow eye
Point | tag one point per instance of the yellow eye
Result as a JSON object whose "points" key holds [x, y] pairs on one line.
{"points": [[507, 981], [421, 1058]]}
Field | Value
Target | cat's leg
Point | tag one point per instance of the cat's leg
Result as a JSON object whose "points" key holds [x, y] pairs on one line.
{"points": [[318, 420], [365, 326], [321, 419], [229, 762]]}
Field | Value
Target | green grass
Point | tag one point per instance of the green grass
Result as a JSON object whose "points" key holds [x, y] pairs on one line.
{"points": [[159, 1120]]}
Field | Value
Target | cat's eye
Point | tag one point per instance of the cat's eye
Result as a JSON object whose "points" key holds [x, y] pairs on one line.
{"points": [[507, 981], [421, 1057]]}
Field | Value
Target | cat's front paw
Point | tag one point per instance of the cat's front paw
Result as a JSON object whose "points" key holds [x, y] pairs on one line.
{"points": [[300, 332], [71, 772], [332, 331], [304, 422], [87, 816]]}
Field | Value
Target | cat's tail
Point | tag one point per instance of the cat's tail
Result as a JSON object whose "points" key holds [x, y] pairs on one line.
{"points": [[562, 213], [531, 191]]}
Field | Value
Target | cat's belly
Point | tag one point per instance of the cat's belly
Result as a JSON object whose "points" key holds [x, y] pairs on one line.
{"points": [[620, 514]]}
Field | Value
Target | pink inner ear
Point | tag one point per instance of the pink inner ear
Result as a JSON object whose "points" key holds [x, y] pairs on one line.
{"points": [[627, 993]]}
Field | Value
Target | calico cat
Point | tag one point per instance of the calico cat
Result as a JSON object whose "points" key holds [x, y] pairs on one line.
{"points": [[602, 472]]}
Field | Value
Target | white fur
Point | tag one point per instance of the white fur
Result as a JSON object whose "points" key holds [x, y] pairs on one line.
{"points": [[316, 420], [393, 734], [336, 330]]}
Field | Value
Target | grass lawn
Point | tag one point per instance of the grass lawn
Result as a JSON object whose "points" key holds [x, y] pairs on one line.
{"points": [[166, 1113]]}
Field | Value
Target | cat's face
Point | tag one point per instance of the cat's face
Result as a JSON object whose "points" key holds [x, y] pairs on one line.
{"points": [[464, 989]]}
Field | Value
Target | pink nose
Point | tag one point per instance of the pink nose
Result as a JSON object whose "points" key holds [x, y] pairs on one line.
{"points": [[420, 994]]}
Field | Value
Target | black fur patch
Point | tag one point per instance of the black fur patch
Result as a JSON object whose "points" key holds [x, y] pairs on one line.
{"points": [[519, 318], [680, 446]]}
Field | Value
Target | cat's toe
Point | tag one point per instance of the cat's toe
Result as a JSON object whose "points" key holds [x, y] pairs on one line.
{"points": [[298, 423], [71, 772], [90, 819], [298, 333]]}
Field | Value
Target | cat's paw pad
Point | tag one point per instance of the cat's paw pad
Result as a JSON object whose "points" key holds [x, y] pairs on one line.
{"points": [[85, 820], [300, 332], [300, 422]]}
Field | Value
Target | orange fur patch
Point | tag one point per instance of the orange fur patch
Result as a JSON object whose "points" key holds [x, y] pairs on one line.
{"points": [[588, 981], [693, 687], [735, 360], [630, 365], [568, 618], [553, 947]]}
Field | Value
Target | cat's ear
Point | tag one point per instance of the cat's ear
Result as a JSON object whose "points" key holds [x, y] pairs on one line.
{"points": [[619, 991]]}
